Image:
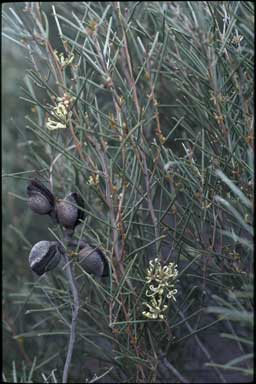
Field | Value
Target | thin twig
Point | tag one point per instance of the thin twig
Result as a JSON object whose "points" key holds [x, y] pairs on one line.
{"points": [[75, 310], [130, 78], [149, 200], [101, 376]]}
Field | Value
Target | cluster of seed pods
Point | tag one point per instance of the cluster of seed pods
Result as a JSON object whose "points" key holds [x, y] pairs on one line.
{"points": [[68, 212]]}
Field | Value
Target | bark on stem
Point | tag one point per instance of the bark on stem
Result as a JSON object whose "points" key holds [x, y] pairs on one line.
{"points": [[75, 310]]}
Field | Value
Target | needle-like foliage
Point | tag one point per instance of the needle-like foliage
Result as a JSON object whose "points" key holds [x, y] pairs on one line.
{"points": [[146, 110]]}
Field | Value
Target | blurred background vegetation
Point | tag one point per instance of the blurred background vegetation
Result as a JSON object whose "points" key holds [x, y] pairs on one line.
{"points": [[193, 67]]}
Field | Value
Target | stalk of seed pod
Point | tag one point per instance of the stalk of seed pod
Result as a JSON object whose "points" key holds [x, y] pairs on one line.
{"points": [[93, 261], [40, 199], [68, 211], [45, 256]]}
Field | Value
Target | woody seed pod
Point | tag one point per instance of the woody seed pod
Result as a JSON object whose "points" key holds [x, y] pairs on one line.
{"points": [[44, 256], [93, 261], [68, 212], [41, 200]]}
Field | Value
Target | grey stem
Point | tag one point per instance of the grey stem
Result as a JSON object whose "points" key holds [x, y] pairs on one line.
{"points": [[75, 310]]}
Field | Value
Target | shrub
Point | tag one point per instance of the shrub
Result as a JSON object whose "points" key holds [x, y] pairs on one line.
{"points": [[145, 110]]}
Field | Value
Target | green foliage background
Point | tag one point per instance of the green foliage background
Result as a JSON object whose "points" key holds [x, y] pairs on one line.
{"points": [[163, 113]]}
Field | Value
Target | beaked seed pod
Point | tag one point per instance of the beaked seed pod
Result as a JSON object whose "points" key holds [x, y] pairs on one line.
{"points": [[44, 256], [68, 212], [93, 261], [41, 200]]}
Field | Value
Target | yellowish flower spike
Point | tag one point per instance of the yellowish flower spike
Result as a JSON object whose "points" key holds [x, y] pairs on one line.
{"points": [[94, 180], [52, 125], [160, 282], [61, 111], [62, 60]]}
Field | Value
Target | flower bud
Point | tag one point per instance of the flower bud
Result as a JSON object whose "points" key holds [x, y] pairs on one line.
{"points": [[68, 212], [93, 261], [41, 200], [44, 256]]}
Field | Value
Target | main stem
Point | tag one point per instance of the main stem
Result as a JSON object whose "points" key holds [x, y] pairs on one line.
{"points": [[75, 310]]}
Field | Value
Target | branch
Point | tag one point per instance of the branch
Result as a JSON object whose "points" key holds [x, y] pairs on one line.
{"points": [[149, 199], [75, 310]]}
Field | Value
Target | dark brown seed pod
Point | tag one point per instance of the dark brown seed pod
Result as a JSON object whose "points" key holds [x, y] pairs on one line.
{"points": [[44, 256], [93, 261], [40, 199], [68, 212]]}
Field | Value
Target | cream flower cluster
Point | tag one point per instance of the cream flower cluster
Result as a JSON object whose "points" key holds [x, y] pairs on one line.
{"points": [[61, 111], [160, 281], [62, 60], [94, 180]]}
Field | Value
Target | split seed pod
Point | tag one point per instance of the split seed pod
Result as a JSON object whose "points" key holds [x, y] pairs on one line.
{"points": [[68, 212], [41, 200], [93, 261], [44, 256]]}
